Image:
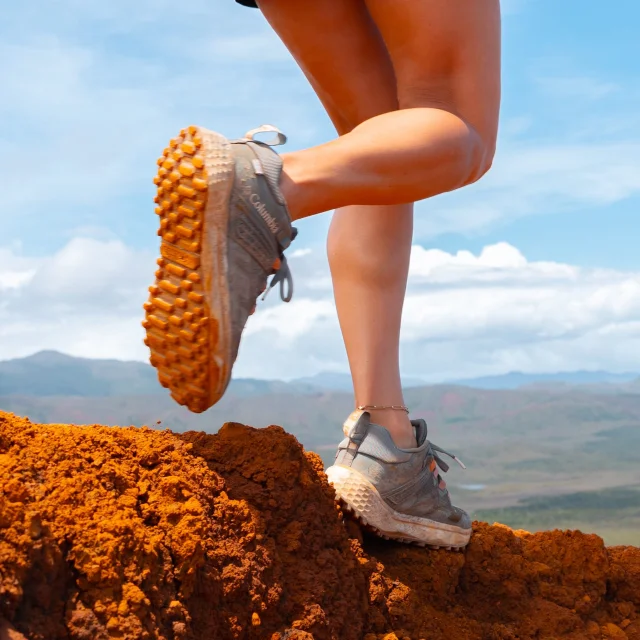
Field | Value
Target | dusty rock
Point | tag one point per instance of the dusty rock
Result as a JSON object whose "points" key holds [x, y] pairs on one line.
{"points": [[141, 534], [7, 632]]}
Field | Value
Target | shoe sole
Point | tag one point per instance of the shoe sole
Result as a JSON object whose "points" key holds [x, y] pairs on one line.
{"points": [[187, 319], [362, 499]]}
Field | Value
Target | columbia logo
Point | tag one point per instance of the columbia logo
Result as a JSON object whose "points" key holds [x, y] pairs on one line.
{"points": [[264, 213]]}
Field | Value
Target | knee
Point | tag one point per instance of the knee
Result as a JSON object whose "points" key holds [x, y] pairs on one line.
{"points": [[470, 155], [473, 155], [481, 158], [475, 152], [473, 149]]}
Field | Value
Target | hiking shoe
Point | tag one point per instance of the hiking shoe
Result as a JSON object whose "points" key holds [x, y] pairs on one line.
{"points": [[397, 492], [224, 226]]}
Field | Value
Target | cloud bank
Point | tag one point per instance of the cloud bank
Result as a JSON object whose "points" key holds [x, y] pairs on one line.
{"points": [[465, 314]]}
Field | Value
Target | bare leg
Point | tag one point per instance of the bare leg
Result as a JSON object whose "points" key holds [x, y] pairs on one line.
{"points": [[369, 263], [443, 136], [446, 80], [369, 266]]}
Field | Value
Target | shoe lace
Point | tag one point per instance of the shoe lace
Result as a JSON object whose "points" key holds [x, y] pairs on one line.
{"points": [[282, 275], [433, 450]]}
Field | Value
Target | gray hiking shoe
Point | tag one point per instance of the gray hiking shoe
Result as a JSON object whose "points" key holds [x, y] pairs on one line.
{"points": [[397, 492], [224, 227]]}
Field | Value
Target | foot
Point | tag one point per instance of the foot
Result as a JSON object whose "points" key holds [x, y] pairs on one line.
{"points": [[224, 227], [397, 492]]}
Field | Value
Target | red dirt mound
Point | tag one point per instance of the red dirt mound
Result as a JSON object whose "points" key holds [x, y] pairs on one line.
{"points": [[141, 534]]}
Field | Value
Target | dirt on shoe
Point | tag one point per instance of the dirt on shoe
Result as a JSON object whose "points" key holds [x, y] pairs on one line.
{"points": [[130, 533]]}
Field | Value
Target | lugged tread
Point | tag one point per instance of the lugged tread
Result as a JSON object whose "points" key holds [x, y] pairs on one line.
{"points": [[355, 500], [181, 331], [362, 522]]}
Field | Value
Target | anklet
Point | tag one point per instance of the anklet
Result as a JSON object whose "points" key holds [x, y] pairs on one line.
{"points": [[374, 407]]}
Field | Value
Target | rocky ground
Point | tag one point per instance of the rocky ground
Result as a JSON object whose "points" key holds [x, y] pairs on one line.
{"points": [[143, 534]]}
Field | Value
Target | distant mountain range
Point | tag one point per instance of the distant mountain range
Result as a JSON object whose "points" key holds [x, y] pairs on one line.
{"points": [[516, 379], [50, 373]]}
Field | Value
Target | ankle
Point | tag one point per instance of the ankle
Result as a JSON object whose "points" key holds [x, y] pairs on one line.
{"points": [[305, 183], [397, 423], [290, 187]]}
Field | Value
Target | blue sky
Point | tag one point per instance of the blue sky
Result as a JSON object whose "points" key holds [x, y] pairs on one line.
{"points": [[545, 245]]}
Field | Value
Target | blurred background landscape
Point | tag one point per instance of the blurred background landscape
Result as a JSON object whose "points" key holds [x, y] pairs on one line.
{"points": [[542, 451]]}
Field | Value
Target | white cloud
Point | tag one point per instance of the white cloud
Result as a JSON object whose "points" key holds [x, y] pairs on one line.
{"points": [[15, 272], [533, 179], [84, 300], [15, 279], [295, 320], [465, 314], [498, 256], [299, 253], [86, 269]]}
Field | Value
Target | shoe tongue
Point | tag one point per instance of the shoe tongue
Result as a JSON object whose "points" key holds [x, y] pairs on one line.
{"points": [[420, 427], [272, 168]]}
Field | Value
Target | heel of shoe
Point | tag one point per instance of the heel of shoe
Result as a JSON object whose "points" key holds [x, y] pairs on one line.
{"points": [[362, 499]]}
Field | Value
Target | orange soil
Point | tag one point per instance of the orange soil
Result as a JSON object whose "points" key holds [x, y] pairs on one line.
{"points": [[141, 534]]}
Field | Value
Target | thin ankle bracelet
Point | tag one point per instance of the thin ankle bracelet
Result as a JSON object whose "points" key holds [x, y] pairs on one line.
{"points": [[374, 407]]}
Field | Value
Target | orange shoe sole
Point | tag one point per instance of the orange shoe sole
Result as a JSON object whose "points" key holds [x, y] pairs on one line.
{"points": [[187, 313]]}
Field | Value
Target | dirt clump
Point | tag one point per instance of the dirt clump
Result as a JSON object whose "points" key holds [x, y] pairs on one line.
{"points": [[133, 533]]}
